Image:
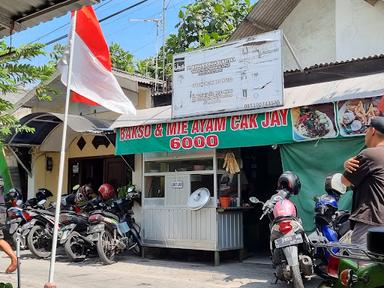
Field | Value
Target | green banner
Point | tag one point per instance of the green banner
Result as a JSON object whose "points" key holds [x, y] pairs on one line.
{"points": [[225, 132], [4, 172]]}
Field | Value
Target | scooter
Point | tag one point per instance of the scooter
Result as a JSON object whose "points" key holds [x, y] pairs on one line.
{"points": [[331, 225], [289, 245], [369, 273]]}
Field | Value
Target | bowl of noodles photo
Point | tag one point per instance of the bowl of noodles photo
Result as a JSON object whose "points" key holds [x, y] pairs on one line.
{"points": [[309, 122], [355, 115]]}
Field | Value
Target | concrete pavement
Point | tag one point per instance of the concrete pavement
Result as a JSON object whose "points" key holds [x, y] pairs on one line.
{"points": [[133, 271]]}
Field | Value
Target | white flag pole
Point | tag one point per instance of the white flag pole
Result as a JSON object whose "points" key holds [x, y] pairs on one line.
{"points": [[62, 153]]}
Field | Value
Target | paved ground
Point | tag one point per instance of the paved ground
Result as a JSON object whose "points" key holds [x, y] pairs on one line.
{"points": [[133, 271]]}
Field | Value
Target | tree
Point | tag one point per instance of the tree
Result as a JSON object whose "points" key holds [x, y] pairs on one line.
{"points": [[17, 72], [121, 59], [202, 24]]}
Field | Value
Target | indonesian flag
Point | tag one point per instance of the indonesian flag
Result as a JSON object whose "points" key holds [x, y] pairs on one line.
{"points": [[92, 81]]}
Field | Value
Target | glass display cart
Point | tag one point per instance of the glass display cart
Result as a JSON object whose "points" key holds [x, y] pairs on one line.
{"points": [[169, 179]]}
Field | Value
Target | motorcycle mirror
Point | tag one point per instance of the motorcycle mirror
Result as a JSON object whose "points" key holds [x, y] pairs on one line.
{"points": [[254, 200], [130, 189]]}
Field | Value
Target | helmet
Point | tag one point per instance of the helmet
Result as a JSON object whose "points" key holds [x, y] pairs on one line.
{"points": [[290, 182], [107, 191], [333, 184], [43, 194], [284, 208], [83, 195], [12, 197]]}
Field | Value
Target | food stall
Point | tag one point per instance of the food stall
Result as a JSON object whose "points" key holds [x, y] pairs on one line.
{"points": [[170, 218]]}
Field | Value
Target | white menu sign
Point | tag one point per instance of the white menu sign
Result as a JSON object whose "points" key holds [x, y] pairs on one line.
{"points": [[240, 75]]}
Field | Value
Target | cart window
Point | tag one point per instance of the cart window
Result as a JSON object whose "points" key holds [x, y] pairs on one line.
{"points": [[155, 186], [200, 181]]}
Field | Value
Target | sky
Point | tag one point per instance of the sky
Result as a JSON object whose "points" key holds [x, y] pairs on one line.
{"points": [[139, 38]]}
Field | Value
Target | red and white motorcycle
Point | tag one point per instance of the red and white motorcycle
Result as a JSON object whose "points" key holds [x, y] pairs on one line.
{"points": [[290, 249]]}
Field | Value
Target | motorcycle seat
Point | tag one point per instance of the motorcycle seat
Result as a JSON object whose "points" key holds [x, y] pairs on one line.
{"points": [[110, 215]]}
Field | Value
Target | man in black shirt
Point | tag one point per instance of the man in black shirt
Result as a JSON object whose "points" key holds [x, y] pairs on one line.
{"points": [[365, 173]]}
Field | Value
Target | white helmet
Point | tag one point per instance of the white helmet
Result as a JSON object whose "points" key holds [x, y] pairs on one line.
{"points": [[334, 184]]}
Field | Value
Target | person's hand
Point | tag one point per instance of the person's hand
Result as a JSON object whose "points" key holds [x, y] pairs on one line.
{"points": [[351, 165]]}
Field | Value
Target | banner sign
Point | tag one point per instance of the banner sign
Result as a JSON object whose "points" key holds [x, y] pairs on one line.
{"points": [[224, 132], [240, 75], [306, 123]]}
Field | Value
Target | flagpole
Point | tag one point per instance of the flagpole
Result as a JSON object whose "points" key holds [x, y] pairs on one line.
{"points": [[62, 153]]}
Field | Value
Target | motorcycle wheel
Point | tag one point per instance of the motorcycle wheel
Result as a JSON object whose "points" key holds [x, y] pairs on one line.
{"points": [[296, 277], [75, 247], [105, 247], [38, 243]]}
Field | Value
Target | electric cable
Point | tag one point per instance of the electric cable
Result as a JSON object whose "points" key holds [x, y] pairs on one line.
{"points": [[101, 20]]}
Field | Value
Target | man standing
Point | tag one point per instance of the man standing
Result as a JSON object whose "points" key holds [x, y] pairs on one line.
{"points": [[365, 173], [4, 244]]}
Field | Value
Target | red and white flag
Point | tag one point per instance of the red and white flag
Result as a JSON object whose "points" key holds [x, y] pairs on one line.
{"points": [[92, 80]]}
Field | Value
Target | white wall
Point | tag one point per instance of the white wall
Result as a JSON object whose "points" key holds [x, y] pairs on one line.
{"points": [[310, 29], [359, 29], [333, 30]]}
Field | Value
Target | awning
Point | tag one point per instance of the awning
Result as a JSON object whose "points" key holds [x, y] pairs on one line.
{"points": [[17, 15], [319, 93], [48, 130]]}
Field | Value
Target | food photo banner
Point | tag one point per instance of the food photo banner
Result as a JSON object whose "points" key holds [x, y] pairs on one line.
{"points": [[306, 123]]}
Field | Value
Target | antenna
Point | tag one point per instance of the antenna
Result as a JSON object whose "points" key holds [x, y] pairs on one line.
{"points": [[157, 21]]}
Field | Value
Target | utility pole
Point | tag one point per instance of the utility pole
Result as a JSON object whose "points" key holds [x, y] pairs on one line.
{"points": [[163, 20], [157, 22]]}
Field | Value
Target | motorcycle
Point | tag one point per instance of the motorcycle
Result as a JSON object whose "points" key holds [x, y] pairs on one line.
{"points": [[39, 239], [331, 224], [20, 219], [116, 229], [369, 273], [79, 243], [289, 245]]}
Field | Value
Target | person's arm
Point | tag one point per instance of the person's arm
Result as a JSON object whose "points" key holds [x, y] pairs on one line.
{"points": [[345, 181], [351, 164], [353, 177]]}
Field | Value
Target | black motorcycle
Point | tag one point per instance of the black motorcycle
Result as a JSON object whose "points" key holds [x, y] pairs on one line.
{"points": [[116, 229]]}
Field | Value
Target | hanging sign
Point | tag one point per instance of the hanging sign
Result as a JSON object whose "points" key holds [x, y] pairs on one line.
{"points": [[224, 132], [240, 75]]}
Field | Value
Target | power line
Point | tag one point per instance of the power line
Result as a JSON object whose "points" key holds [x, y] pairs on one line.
{"points": [[66, 24], [101, 20]]}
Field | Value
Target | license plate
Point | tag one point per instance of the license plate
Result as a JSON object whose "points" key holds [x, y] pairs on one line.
{"points": [[288, 241], [123, 227]]}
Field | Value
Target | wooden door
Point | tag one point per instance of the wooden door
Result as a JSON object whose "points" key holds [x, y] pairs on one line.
{"points": [[116, 172]]}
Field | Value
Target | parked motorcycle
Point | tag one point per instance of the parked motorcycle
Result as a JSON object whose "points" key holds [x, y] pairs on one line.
{"points": [[81, 242], [19, 217], [331, 224], [290, 249], [39, 239], [369, 273], [116, 229]]}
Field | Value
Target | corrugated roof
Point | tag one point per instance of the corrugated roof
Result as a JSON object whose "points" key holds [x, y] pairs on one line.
{"points": [[267, 15], [329, 64], [18, 15], [136, 77]]}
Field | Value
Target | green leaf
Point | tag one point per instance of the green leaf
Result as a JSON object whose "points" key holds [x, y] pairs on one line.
{"points": [[218, 8], [181, 14]]}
